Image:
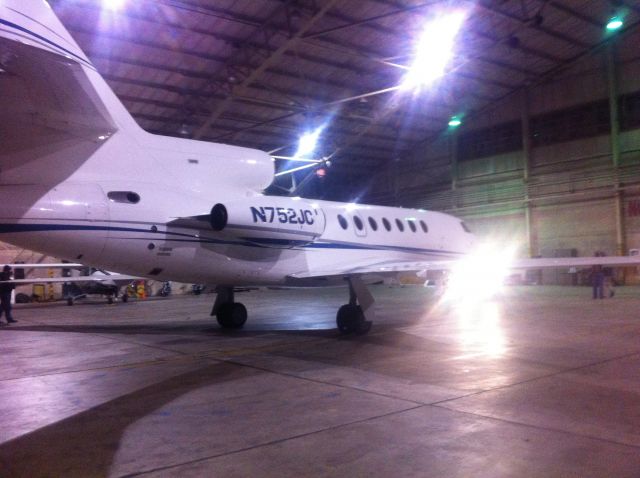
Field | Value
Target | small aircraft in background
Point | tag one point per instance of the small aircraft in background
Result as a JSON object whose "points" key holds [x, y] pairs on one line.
{"points": [[90, 281]]}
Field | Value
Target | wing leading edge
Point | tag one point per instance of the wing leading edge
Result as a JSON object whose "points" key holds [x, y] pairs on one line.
{"points": [[392, 268]]}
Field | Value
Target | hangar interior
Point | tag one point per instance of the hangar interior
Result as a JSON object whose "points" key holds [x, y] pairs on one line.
{"points": [[547, 95], [531, 133]]}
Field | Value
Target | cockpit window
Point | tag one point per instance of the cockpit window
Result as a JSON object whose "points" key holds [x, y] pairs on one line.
{"points": [[465, 227]]}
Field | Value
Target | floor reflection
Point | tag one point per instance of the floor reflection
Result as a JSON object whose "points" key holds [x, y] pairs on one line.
{"points": [[479, 328]]}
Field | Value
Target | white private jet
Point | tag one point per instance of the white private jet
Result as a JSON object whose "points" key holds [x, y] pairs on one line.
{"points": [[79, 179]]}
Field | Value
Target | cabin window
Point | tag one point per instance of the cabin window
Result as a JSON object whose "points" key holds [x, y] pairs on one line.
{"points": [[423, 225], [412, 225], [358, 222], [386, 223], [465, 227], [128, 197], [373, 224], [400, 225], [343, 222]]}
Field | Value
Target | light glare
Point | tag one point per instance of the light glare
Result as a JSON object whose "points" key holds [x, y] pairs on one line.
{"points": [[480, 275], [434, 50], [113, 4], [308, 142]]}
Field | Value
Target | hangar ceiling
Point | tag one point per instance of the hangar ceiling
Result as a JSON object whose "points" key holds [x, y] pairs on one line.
{"points": [[259, 73]]}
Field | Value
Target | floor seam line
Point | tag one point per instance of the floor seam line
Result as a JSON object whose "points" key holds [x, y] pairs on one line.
{"points": [[321, 382], [541, 377], [535, 427], [273, 442]]}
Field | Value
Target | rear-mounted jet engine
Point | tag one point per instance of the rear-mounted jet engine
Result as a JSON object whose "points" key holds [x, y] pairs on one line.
{"points": [[269, 221]]}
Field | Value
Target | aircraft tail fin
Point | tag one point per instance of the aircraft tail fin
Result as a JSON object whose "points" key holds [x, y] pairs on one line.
{"points": [[45, 75], [34, 23]]}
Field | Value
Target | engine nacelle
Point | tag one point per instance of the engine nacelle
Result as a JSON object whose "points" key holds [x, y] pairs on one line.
{"points": [[270, 221]]}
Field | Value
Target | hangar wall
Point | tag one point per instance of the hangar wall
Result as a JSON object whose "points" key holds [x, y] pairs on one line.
{"points": [[553, 168]]}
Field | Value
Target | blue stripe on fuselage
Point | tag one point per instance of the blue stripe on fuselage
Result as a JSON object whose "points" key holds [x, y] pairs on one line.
{"points": [[8, 228]]}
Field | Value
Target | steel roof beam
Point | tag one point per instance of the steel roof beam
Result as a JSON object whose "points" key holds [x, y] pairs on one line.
{"points": [[248, 77], [475, 32], [231, 16], [528, 23], [574, 13], [255, 122], [356, 23], [219, 59]]}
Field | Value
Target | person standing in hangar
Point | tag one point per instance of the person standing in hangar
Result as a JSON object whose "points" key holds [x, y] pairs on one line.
{"points": [[597, 278], [5, 294]]}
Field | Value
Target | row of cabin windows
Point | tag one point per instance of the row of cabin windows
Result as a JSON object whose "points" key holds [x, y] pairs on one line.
{"points": [[344, 224]]}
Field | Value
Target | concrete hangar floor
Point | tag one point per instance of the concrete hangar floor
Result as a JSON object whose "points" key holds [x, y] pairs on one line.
{"points": [[539, 382]]}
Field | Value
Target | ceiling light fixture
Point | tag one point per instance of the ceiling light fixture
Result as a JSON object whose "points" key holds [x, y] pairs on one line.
{"points": [[455, 121], [614, 23], [308, 142], [434, 50]]}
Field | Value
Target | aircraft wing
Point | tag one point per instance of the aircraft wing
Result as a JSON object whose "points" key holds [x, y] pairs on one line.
{"points": [[382, 268], [392, 268], [577, 262]]}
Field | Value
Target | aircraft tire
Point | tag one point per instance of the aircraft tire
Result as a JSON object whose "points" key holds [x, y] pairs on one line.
{"points": [[350, 319], [232, 315], [69, 301], [125, 297], [110, 300]]}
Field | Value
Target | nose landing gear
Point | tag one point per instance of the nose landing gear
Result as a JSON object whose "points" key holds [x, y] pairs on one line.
{"points": [[356, 316]]}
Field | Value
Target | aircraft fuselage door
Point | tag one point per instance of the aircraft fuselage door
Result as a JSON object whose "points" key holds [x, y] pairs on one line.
{"points": [[359, 226]]}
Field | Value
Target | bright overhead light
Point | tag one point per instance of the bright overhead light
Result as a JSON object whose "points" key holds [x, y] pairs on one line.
{"points": [[113, 4], [614, 23], [434, 50], [308, 141], [454, 122]]}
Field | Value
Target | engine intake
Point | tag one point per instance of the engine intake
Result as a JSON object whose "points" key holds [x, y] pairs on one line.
{"points": [[219, 217]]}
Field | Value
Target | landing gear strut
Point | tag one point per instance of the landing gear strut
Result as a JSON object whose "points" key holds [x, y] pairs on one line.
{"points": [[230, 314], [352, 317]]}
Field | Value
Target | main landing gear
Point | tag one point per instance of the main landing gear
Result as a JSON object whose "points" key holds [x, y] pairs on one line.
{"points": [[352, 317], [230, 314]]}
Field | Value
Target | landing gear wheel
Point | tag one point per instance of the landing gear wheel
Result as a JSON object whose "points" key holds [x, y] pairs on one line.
{"points": [[232, 315], [110, 299], [350, 319], [125, 297], [69, 301]]}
